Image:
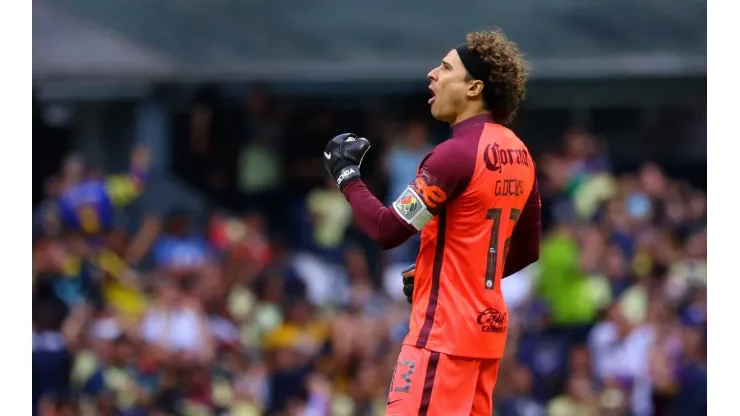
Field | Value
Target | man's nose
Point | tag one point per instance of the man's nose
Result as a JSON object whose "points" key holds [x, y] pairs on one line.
{"points": [[431, 76]]}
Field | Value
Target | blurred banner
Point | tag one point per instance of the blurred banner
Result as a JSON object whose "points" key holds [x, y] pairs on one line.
{"points": [[322, 40]]}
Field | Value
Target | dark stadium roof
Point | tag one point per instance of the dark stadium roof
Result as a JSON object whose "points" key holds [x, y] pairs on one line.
{"points": [[372, 39]]}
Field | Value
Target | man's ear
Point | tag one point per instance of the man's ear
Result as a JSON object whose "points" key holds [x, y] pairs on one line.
{"points": [[475, 88]]}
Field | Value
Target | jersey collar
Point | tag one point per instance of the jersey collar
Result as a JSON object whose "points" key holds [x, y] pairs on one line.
{"points": [[458, 128]]}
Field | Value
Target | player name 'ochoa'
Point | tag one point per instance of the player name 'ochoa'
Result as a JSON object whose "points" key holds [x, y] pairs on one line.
{"points": [[509, 187]]}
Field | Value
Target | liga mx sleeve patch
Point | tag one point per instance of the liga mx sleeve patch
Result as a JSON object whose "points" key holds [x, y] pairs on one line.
{"points": [[412, 209]]}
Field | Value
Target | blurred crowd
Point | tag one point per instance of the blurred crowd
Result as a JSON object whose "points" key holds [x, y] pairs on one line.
{"points": [[279, 305]]}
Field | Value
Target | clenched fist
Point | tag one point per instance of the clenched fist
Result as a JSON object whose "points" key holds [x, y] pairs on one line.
{"points": [[343, 156]]}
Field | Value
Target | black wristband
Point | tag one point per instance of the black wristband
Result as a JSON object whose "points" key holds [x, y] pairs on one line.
{"points": [[347, 175]]}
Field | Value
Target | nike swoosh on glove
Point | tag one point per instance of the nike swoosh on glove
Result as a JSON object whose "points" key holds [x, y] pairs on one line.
{"points": [[343, 156], [408, 275]]}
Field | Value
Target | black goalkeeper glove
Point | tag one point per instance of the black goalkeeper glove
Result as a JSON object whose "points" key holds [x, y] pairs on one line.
{"points": [[343, 156], [408, 275]]}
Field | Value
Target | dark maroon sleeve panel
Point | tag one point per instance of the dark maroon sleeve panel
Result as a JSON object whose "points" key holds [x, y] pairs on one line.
{"points": [[524, 248], [445, 173], [381, 224]]}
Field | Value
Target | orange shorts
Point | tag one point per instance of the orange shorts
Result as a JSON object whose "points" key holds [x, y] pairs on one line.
{"points": [[435, 384]]}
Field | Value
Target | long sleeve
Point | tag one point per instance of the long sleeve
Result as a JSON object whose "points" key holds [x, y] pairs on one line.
{"points": [[524, 248], [380, 223], [442, 176]]}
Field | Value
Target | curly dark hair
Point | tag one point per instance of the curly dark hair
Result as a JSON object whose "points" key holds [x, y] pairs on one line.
{"points": [[505, 88]]}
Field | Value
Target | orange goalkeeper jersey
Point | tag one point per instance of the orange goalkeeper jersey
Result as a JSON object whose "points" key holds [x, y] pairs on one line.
{"points": [[466, 200]]}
